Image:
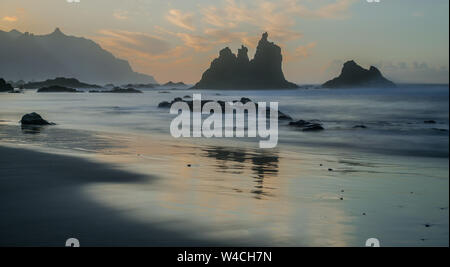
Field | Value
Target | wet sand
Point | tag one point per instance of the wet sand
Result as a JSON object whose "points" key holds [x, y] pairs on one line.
{"points": [[43, 205]]}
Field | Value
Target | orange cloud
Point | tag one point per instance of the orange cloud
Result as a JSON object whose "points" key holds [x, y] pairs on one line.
{"points": [[10, 18], [120, 15], [180, 19], [336, 10], [300, 52], [304, 51]]}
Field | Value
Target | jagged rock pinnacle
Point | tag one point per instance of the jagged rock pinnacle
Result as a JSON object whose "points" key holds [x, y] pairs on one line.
{"points": [[264, 71]]}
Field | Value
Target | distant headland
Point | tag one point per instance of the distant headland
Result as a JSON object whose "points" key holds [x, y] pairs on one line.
{"points": [[264, 71], [25, 56], [60, 81]]}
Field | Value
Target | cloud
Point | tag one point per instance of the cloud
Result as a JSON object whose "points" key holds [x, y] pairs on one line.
{"points": [[197, 42], [148, 53], [180, 19], [278, 18], [300, 52], [305, 50], [10, 18], [267, 16], [120, 15], [133, 41], [211, 38], [337, 10]]}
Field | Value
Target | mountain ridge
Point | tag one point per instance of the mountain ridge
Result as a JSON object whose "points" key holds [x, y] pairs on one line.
{"points": [[26, 56]]}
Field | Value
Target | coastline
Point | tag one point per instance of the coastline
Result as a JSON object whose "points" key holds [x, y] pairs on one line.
{"points": [[387, 181], [43, 205]]}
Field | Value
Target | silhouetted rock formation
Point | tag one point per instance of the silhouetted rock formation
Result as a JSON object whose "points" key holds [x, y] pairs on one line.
{"points": [[307, 126], [66, 82], [172, 84], [229, 71], [5, 87], [34, 119], [39, 57], [118, 90], [57, 89], [243, 100], [140, 85], [353, 75]]}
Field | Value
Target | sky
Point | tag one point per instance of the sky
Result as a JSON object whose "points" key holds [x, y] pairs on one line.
{"points": [[175, 40]]}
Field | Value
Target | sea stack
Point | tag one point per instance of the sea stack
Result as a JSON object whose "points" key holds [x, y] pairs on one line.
{"points": [[353, 75], [264, 71]]}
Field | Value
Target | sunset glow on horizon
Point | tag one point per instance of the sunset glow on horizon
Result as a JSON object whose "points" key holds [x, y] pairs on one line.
{"points": [[176, 40]]}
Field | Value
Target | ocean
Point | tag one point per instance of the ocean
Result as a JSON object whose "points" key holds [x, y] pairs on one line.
{"points": [[339, 187]]}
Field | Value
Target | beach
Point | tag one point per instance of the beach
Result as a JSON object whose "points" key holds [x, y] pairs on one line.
{"points": [[109, 173]]}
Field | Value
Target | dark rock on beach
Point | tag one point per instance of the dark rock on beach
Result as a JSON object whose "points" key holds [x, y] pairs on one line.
{"points": [[353, 75], [57, 89], [5, 87], [34, 119], [307, 126], [264, 71]]}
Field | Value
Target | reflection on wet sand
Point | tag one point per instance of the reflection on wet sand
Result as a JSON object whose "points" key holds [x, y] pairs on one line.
{"points": [[32, 129], [242, 195], [264, 165]]}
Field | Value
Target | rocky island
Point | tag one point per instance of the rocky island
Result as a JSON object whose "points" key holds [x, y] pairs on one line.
{"points": [[174, 84], [264, 71], [60, 81], [353, 75], [118, 90], [57, 89], [5, 87]]}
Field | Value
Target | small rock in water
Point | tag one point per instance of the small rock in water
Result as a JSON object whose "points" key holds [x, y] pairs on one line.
{"points": [[360, 127], [189, 165], [364, 214], [164, 104], [430, 122], [341, 198], [33, 119], [330, 170], [427, 225], [307, 126]]}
